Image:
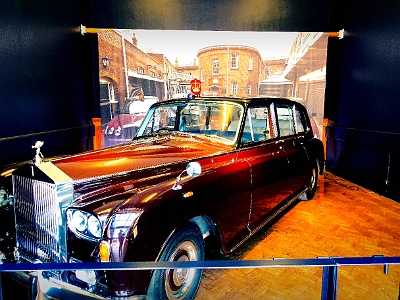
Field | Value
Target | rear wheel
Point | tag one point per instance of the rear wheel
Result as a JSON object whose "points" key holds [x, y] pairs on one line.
{"points": [[185, 245], [312, 184]]}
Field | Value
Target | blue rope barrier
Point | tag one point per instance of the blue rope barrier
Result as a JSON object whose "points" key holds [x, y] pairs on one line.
{"points": [[211, 264], [330, 267]]}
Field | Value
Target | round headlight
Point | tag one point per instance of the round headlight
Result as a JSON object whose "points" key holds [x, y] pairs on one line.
{"points": [[94, 226], [79, 220]]}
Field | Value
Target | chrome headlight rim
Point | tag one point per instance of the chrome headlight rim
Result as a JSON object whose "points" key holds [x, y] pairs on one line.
{"points": [[94, 226], [84, 225], [6, 198], [79, 220]]}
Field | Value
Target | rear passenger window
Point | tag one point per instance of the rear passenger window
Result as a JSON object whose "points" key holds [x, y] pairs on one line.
{"points": [[300, 118], [285, 119]]}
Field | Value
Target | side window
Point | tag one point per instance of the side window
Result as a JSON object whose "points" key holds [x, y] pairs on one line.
{"points": [[300, 118], [258, 125], [285, 120]]}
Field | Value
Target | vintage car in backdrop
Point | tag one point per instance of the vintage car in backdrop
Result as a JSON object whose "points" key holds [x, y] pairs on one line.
{"points": [[204, 171], [122, 128]]}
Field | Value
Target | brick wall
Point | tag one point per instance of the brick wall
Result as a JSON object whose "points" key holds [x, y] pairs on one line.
{"points": [[226, 74], [138, 59], [110, 45]]}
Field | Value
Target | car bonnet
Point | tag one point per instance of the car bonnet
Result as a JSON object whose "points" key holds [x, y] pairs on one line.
{"points": [[138, 155]]}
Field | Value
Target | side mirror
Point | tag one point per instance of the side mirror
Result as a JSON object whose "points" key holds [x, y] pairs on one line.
{"points": [[193, 169]]}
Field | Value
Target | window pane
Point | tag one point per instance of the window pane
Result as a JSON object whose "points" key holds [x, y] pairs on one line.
{"points": [[301, 124], [214, 119], [234, 88], [162, 118], [235, 61], [285, 120], [215, 67], [257, 125]]}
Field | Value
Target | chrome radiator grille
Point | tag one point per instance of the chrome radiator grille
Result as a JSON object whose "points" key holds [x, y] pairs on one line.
{"points": [[38, 220]]}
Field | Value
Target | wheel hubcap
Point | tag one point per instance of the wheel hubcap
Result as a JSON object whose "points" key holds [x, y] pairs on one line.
{"points": [[178, 281], [313, 178]]}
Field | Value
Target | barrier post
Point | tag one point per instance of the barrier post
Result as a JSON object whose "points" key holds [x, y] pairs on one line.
{"points": [[329, 283], [1, 287]]}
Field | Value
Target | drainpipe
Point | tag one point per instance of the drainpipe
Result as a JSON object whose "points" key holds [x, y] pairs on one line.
{"points": [[227, 74], [306, 92], [259, 77], [125, 68]]}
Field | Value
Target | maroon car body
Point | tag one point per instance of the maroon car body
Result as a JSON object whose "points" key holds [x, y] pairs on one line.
{"points": [[135, 202]]}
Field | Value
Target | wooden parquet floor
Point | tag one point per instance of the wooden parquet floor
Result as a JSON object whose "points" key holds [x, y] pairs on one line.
{"points": [[342, 220]]}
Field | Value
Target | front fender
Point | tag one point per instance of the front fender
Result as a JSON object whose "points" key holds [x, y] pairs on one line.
{"points": [[164, 211]]}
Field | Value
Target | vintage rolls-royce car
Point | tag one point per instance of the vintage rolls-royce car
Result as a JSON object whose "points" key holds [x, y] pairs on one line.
{"points": [[204, 171]]}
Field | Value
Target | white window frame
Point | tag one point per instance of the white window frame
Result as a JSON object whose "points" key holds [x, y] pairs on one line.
{"points": [[234, 88], [268, 72], [251, 61], [249, 88], [215, 67], [235, 61]]}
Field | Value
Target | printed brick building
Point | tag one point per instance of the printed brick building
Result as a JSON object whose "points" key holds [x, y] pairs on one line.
{"points": [[230, 70], [125, 71]]}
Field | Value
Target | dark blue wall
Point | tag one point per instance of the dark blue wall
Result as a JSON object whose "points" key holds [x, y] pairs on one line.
{"points": [[45, 83], [258, 15], [362, 102], [49, 75]]}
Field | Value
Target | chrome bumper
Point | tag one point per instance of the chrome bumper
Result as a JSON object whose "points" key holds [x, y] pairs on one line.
{"points": [[52, 288]]}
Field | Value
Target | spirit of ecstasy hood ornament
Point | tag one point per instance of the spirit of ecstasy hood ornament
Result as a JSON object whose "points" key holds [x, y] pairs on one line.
{"points": [[39, 156]]}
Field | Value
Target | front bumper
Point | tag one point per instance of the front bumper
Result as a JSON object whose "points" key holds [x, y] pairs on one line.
{"points": [[50, 287]]}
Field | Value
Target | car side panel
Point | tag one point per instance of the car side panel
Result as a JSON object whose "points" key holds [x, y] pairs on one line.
{"points": [[228, 200], [264, 160], [226, 184], [293, 167]]}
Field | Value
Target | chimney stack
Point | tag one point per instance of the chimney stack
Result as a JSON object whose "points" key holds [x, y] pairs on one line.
{"points": [[134, 40]]}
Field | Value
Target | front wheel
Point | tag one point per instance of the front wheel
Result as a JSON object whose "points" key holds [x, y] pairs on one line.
{"points": [[185, 245], [312, 184]]}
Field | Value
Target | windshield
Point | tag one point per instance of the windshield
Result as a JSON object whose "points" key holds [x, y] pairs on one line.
{"points": [[214, 119]]}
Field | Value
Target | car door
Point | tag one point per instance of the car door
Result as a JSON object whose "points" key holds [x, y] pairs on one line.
{"points": [[228, 198], [262, 149], [293, 167]]}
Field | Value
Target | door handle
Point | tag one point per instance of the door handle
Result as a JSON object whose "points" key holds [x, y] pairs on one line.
{"points": [[297, 143]]}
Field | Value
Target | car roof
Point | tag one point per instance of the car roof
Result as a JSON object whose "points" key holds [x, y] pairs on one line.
{"points": [[243, 101]]}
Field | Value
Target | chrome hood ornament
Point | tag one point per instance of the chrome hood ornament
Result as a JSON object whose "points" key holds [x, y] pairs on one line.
{"points": [[38, 156]]}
